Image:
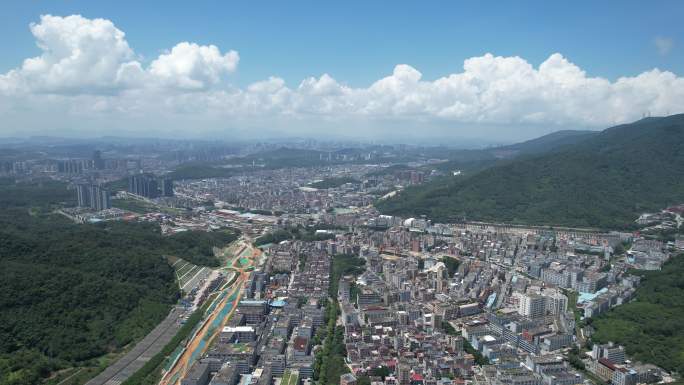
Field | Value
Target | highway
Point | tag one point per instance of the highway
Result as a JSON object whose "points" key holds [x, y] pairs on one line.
{"points": [[143, 351]]}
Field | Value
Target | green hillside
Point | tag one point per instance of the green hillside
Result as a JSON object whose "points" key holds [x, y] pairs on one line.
{"points": [[650, 327], [602, 181], [543, 144], [473, 161], [72, 293]]}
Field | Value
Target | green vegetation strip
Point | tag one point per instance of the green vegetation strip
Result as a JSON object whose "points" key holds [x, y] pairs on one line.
{"points": [[200, 171], [329, 362], [135, 206], [287, 377], [333, 182], [232, 280]]}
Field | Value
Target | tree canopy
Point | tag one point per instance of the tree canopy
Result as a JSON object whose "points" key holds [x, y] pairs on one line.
{"points": [[650, 327], [74, 292]]}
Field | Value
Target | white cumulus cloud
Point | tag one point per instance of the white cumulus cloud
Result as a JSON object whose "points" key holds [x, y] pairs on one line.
{"points": [[92, 56], [192, 66], [87, 69], [78, 55]]}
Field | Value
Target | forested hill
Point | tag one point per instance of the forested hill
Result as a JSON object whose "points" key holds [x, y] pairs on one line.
{"points": [[602, 181], [650, 327], [548, 142], [70, 292]]}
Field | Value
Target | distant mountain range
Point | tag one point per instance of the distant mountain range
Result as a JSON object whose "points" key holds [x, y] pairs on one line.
{"points": [[576, 178], [474, 160], [546, 143]]}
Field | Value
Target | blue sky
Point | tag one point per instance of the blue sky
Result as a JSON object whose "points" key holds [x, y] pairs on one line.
{"points": [[360, 41], [357, 43]]}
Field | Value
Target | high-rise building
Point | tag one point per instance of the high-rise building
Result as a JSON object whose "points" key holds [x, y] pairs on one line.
{"points": [[555, 303], [135, 184], [93, 196], [610, 351], [143, 185], [167, 187], [98, 162], [152, 190], [83, 195], [404, 373], [99, 198], [72, 166], [531, 306]]}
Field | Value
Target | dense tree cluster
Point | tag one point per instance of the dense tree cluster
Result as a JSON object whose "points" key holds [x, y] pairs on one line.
{"points": [[197, 246], [41, 195], [650, 327], [344, 264], [72, 292], [451, 265]]}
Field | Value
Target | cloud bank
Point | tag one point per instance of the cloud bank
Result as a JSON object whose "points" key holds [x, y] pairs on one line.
{"points": [[87, 72]]}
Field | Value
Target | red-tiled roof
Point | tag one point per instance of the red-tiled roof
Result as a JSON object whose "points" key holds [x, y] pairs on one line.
{"points": [[300, 343], [607, 363]]}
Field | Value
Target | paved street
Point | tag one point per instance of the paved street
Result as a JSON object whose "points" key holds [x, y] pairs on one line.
{"points": [[152, 344]]}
